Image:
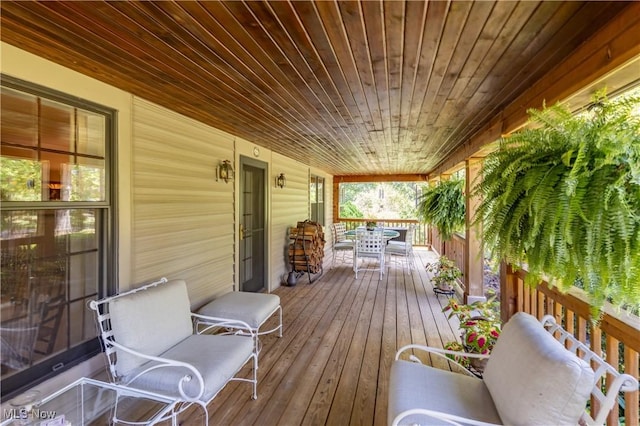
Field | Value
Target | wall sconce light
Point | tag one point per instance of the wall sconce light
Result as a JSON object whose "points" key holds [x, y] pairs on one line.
{"points": [[281, 181], [224, 171]]}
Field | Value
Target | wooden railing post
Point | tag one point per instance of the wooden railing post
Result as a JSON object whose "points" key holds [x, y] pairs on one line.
{"points": [[473, 253], [631, 399], [508, 292]]}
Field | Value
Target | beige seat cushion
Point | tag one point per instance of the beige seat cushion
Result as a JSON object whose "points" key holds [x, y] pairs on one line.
{"points": [[533, 379], [150, 321], [217, 358], [252, 308], [413, 385]]}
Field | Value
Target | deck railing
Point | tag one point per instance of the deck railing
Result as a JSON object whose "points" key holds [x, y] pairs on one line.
{"points": [[420, 235], [616, 337]]}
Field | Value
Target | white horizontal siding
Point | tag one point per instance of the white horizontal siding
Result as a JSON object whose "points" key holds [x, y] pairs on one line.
{"points": [[289, 205], [182, 218]]}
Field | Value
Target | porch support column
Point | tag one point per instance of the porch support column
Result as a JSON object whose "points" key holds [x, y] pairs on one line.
{"points": [[473, 254]]}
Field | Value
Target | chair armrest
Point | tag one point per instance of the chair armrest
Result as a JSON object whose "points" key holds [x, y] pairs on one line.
{"points": [[441, 353], [165, 363], [443, 418], [213, 322]]}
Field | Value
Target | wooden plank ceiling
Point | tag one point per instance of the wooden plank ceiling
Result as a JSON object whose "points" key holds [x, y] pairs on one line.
{"points": [[350, 87]]}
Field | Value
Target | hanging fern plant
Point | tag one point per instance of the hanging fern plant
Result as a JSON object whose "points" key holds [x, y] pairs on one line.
{"points": [[563, 198], [443, 206]]}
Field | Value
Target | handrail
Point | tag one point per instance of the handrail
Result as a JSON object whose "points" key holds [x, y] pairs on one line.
{"points": [[615, 337], [420, 234]]}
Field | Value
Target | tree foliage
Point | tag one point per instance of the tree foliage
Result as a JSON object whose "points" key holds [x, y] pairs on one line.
{"points": [[378, 200], [443, 206], [563, 198]]}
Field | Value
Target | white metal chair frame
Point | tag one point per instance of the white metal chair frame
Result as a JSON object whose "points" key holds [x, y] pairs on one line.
{"points": [[607, 399], [206, 324], [340, 242], [110, 346], [403, 249], [369, 245]]}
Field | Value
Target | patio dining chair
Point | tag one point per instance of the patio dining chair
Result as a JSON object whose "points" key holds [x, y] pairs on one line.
{"points": [[403, 249], [341, 243], [369, 245]]}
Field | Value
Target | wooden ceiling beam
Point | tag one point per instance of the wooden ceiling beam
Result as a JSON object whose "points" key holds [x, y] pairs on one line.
{"points": [[380, 178]]}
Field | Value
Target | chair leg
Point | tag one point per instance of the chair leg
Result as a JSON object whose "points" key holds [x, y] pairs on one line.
{"points": [[255, 376]]}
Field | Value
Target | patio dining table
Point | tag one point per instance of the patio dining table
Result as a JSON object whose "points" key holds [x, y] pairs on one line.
{"points": [[387, 234]]}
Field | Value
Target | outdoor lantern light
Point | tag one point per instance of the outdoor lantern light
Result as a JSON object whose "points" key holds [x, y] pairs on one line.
{"points": [[281, 181], [224, 171]]}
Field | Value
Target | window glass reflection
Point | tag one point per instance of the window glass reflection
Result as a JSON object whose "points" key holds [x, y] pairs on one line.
{"points": [[49, 266]]}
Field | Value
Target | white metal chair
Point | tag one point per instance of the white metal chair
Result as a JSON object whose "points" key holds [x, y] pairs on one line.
{"points": [[369, 245], [149, 340], [340, 242], [403, 249], [537, 373]]}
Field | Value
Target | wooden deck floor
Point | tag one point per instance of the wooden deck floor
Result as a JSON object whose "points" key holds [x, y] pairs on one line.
{"points": [[331, 367]]}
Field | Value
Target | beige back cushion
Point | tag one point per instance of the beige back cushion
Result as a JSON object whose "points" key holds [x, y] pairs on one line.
{"points": [[150, 321], [533, 379]]}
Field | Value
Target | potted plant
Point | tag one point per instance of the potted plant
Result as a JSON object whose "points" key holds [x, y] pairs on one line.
{"points": [[370, 225], [443, 206], [563, 197], [480, 327], [445, 274]]}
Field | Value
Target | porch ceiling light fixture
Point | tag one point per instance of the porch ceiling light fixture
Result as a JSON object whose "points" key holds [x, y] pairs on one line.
{"points": [[224, 171], [281, 181]]}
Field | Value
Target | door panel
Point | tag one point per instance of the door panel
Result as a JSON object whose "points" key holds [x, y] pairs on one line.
{"points": [[252, 234]]}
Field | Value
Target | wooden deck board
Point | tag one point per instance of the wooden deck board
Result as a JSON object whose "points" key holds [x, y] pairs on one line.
{"points": [[331, 367]]}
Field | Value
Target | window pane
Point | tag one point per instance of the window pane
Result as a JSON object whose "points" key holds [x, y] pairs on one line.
{"points": [[56, 126], [19, 118], [50, 269], [86, 180], [91, 133], [20, 178], [52, 165], [19, 224], [312, 190], [321, 190]]}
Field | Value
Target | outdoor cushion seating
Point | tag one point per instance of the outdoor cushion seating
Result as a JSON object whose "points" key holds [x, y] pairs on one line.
{"points": [[403, 249], [253, 309], [531, 378], [340, 242], [149, 340]]}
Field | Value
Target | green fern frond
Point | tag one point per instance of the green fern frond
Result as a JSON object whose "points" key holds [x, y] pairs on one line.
{"points": [[443, 206], [564, 198]]}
